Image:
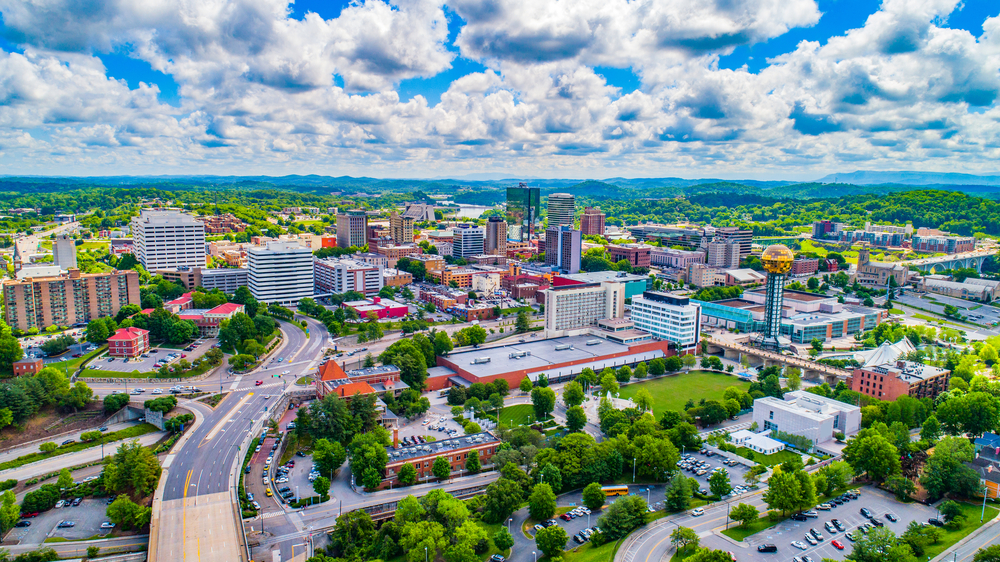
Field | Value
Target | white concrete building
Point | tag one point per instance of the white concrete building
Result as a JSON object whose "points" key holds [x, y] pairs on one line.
{"points": [[560, 210], [758, 442], [814, 417], [668, 317], [64, 252], [342, 275], [467, 241], [572, 308], [168, 239], [281, 272]]}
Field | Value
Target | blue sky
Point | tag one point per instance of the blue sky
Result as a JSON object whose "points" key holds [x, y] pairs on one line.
{"points": [[576, 89]]}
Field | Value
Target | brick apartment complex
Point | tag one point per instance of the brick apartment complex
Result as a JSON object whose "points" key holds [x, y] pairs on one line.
{"points": [[455, 450], [393, 252], [636, 254], [128, 342], [804, 266], [67, 299], [222, 224], [592, 221], [28, 366], [943, 244], [396, 278], [902, 378]]}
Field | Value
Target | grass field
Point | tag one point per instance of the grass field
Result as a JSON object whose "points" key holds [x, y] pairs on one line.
{"points": [[590, 553], [671, 393], [738, 533], [517, 415], [949, 537]]}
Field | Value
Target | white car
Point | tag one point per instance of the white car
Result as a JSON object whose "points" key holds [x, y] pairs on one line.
{"points": [[697, 512], [107, 525], [60, 503], [285, 372], [157, 391]]}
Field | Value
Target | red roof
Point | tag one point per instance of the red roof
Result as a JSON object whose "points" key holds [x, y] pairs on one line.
{"points": [[190, 316], [126, 334], [185, 298], [228, 308], [352, 388], [330, 371]]}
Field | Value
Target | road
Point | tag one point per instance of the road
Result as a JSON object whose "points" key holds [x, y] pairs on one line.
{"points": [[55, 464]]}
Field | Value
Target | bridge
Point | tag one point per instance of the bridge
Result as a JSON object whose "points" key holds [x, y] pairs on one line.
{"points": [[762, 359], [972, 259]]}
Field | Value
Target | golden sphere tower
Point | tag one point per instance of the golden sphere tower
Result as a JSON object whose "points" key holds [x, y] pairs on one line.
{"points": [[777, 260]]}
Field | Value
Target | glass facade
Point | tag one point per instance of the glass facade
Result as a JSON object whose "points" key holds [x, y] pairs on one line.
{"points": [[523, 204]]}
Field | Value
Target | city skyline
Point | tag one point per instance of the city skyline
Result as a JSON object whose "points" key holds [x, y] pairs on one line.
{"points": [[789, 90]]}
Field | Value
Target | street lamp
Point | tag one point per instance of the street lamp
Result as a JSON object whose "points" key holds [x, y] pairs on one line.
{"points": [[425, 554], [533, 553], [511, 519]]}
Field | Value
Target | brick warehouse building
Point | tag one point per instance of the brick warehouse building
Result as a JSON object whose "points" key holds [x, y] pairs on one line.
{"points": [[456, 450], [558, 358], [902, 378]]}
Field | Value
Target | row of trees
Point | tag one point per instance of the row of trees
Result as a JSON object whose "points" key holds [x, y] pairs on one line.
{"points": [[23, 397]]}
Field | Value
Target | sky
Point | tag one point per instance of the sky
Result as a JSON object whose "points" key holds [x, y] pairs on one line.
{"points": [[762, 89]]}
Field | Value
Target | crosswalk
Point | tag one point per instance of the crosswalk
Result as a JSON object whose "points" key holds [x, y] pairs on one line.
{"points": [[267, 385], [271, 515]]}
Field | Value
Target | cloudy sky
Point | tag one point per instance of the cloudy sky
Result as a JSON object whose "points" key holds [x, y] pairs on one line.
{"points": [[557, 88]]}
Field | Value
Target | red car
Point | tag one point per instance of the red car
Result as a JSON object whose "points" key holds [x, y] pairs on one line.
{"points": [[29, 515], [258, 383], [565, 516], [838, 545]]}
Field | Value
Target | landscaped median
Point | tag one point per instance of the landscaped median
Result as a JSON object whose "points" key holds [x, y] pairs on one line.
{"points": [[127, 433]]}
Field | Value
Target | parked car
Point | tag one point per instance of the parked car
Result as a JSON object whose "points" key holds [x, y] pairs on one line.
{"points": [[107, 525], [891, 517], [837, 544], [23, 524], [799, 545], [66, 524], [60, 504], [767, 548], [866, 513]]}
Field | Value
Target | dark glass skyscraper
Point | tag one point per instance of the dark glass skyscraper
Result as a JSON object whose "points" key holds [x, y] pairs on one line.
{"points": [[523, 204]]}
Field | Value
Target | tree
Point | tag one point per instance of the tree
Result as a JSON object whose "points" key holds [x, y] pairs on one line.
{"points": [[623, 516], [783, 492], [880, 545], [989, 554], [576, 418], [945, 471], [551, 540], [441, 468], [688, 361], [873, 455], [683, 537], [593, 496], [542, 503], [9, 511], [65, 480], [609, 383], [369, 457], [352, 534], [10, 351], [794, 377], [657, 367], [473, 335], [97, 331], [931, 430], [407, 474], [744, 513], [719, 484], [48, 447], [678, 494], [115, 402], [644, 400], [133, 468], [573, 394], [525, 385], [125, 513], [472, 463], [522, 324], [543, 400], [321, 485], [502, 497], [950, 509], [503, 540], [410, 360], [623, 374]]}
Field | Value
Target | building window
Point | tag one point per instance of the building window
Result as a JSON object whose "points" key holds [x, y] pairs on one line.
{"points": [[770, 415]]}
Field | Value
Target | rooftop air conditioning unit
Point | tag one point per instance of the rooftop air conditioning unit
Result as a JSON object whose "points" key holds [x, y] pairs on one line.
{"points": [[593, 342], [480, 360], [564, 347]]}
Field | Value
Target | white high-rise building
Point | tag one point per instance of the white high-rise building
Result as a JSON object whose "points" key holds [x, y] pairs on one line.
{"points": [[570, 308], [168, 240], [342, 275], [282, 273], [668, 317], [561, 209], [64, 252], [467, 241]]}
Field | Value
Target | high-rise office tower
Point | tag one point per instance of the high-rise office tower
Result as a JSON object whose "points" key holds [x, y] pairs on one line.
{"points": [[523, 204], [467, 241], [64, 252], [401, 228], [496, 237], [282, 272], [561, 209], [352, 228], [592, 222], [167, 240], [563, 248]]}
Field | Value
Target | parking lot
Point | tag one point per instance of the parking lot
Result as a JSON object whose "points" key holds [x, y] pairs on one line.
{"points": [[442, 423], [87, 517], [654, 493], [849, 515], [736, 471], [148, 364], [983, 314]]}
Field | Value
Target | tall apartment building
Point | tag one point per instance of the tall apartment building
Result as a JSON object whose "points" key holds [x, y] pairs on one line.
{"points": [[467, 241], [281, 272], [67, 299], [576, 307], [225, 279], [64, 252], [401, 228], [668, 317], [352, 228], [168, 239], [560, 210], [496, 237], [523, 204], [563, 248], [724, 254], [733, 234], [592, 222], [341, 275], [637, 254]]}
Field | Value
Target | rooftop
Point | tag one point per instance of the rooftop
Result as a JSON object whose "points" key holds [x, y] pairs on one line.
{"points": [[806, 404], [534, 354], [440, 447], [802, 296], [907, 371], [598, 276]]}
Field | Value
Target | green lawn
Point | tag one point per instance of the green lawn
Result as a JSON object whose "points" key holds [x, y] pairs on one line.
{"points": [[671, 393], [896, 311], [590, 553], [949, 538], [738, 533], [808, 246], [768, 460], [517, 415]]}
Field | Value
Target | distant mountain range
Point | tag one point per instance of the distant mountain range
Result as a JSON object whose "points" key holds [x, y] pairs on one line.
{"points": [[910, 178]]}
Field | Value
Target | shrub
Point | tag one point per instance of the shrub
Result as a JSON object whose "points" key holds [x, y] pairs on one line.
{"points": [[90, 436], [8, 484]]}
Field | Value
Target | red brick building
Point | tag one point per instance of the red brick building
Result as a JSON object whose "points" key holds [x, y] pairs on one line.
{"points": [[378, 380], [904, 378], [128, 342], [592, 221], [804, 266], [636, 254], [455, 450], [28, 366]]}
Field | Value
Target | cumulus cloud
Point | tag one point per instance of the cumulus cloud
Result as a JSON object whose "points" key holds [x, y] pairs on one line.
{"points": [[258, 92]]}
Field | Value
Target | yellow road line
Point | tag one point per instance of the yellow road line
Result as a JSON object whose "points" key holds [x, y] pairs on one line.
{"points": [[187, 484]]}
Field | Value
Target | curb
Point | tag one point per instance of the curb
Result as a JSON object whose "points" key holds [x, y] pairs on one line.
{"points": [[951, 551]]}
